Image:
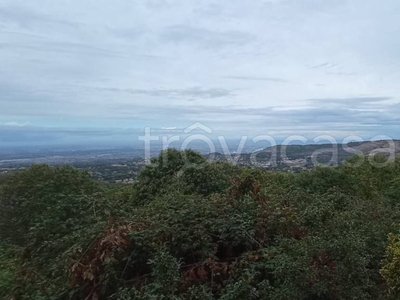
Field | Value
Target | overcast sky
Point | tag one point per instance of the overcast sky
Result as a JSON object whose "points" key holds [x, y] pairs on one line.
{"points": [[274, 67]]}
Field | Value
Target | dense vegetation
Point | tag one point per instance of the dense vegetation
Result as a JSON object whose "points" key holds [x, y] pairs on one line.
{"points": [[190, 229]]}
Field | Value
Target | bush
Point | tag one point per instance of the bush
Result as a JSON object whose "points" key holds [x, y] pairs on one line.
{"points": [[191, 229], [391, 266], [8, 265], [48, 212]]}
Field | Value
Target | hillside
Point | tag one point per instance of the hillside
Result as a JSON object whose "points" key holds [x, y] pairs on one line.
{"points": [[123, 164], [191, 229], [301, 157]]}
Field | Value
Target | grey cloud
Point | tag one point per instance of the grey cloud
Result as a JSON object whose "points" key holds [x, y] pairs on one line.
{"points": [[303, 118], [362, 99], [196, 92], [326, 65], [352, 102], [205, 37], [341, 73], [189, 113], [63, 47], [174, 61], [130, 34], [310, 119], [28, 18], [14, 94], [255, 78], [42, 44], [327, 118]]}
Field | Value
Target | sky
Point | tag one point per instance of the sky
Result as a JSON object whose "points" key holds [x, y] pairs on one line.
{"points": [[96, 70]]}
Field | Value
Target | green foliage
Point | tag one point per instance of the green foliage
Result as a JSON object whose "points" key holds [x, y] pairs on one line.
{"points": [[7, 270], [36, 202], [163, 171], [191, 229], [391, 266], [49, 212]]}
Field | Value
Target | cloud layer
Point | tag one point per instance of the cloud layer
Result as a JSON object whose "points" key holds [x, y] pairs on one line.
{"points": [[266, 66]]}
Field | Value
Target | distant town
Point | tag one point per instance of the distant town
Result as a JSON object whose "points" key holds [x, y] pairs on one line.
{"points": [[122, 165]]}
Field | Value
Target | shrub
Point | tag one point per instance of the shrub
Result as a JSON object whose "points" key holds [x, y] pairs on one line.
{"points": [[191, 229], [391, 266]]}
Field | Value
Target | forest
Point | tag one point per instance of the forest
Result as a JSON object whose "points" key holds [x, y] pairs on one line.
{"points": [[193, 229]]}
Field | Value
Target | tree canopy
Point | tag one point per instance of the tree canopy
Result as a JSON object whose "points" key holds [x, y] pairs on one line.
{"points": [[193, 229]]}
